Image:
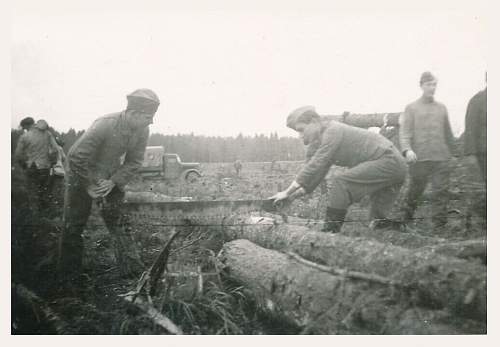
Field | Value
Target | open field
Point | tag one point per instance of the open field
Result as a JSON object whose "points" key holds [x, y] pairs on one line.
{"points": [[194, 293]]}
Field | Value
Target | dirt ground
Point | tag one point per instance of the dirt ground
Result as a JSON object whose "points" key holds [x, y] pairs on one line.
{"points": [[217, 306]]}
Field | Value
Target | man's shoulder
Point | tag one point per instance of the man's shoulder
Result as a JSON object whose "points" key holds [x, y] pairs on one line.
{"points": [[106, 121], [479, 96], [334, 128], [110, 117], [440, 104]]}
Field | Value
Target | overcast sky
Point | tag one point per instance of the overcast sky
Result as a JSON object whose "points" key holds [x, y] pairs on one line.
{"points": [[230, 69]]}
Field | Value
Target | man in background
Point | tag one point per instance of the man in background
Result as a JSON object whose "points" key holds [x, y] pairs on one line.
{"points": [[475, 131], [27, 123], [427, 143], [36, 152]]}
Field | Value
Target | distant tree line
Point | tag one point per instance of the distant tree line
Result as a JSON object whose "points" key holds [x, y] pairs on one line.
{"points": [[208, 149], [217, 149]]}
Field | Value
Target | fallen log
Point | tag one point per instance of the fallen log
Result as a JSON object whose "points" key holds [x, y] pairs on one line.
{"points": [[461, 249], [393, 237], [321, 303], [436, 280], [367, 120]]}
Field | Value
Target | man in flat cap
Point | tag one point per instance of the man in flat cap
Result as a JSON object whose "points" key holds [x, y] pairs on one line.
{"points": [[95, 171], [427, 143], [374, 167]]}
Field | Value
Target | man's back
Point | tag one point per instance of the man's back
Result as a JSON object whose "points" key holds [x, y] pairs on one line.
{"points": [[34, 146]]}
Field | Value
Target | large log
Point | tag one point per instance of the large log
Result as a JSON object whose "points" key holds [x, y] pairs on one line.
{"points": [[393, 237], [475, 248], [436, 280], [321, 303], [367, 120]]}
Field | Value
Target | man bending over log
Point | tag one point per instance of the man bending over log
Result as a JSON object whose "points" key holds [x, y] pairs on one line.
{"points": [[95, 172], [375, 168]]}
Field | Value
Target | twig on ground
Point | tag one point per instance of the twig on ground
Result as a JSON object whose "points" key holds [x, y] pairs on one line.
{"points": [[345, 273], [154, 273], [155, 315]]}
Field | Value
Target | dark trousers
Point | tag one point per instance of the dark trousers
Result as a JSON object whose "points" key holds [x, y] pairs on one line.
{"points": [[381, 179], [481, 160], [38, 187], [77, 209], [438, 173]]}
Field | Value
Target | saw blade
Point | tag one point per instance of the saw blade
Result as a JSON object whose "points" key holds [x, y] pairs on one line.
{"points": [[197, 212]]}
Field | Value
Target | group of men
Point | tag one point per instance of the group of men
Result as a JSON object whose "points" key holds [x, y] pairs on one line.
{"points": [[375, 167], [42, 157]]}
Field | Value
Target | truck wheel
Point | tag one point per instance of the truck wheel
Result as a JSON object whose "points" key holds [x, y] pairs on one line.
{"points": [[192, 177]]}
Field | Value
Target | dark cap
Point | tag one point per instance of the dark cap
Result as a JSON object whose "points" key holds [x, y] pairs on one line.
{"points": [[27, 122], [143, 100], [304, 114], [427, 77]]}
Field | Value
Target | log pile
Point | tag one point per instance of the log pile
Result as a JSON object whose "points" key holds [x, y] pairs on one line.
{"points": [[327, 282]]}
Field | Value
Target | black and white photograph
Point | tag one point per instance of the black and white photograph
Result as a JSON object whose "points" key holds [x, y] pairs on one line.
{"points": [[248, 168]]}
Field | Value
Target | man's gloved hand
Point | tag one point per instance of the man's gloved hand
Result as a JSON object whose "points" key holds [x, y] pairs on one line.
{"points": [[410, 156], [101, 189]]}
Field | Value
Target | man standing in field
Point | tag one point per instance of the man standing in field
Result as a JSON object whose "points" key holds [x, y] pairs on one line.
{"points": [[374, 168], [427, 143], [36, 152], [475, 131], [95, 171]]}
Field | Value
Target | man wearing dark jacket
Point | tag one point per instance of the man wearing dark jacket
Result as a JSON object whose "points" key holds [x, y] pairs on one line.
{"points": [[374, 167], [475, 130], [427, 142], [95, 171]]}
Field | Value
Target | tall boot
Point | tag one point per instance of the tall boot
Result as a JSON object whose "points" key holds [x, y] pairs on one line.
{"points": [[334, 220]]}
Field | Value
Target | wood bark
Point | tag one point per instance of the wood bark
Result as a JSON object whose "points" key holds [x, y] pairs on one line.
{"points": [[437, 281], [367, 120], [321, 303], [461, 249]]}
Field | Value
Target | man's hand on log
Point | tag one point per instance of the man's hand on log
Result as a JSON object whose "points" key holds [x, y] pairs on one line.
{"points": [[280, 197], [411, 157]]}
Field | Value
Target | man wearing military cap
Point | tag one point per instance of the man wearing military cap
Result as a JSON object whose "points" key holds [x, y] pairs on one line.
{"points": [[373, 165], [427, 143], [95, 172]]}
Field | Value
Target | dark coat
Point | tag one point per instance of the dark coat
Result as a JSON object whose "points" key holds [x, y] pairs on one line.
{"points": [[475, 124], [341, 145]]}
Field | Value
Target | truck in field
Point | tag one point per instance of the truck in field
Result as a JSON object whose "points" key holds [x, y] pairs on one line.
{"points": [[168, 166]]}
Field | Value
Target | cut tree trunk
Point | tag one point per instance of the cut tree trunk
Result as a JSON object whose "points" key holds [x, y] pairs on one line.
{"points": [[461, 249], [321, 303], [436, 280], [393, 237]]}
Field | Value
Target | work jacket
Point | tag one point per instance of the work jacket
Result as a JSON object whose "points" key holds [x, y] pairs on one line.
{"points": [[37, 146], [341, 145], [98, 153], [425, 129], [475, 124]]}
